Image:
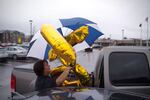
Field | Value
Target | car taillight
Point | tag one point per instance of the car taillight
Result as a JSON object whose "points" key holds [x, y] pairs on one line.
{"points": [[13, 83]]}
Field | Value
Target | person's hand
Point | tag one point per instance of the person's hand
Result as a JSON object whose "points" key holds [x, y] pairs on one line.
{"points": [[73, 68], [68, 68]]}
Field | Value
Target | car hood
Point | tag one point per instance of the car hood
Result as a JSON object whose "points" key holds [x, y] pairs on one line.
{"points": [[76, 93]]}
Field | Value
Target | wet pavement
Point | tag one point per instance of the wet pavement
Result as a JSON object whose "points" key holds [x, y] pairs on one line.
{"points": [[5, 74]]}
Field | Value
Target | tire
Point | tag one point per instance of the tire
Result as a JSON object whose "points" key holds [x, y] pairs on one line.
{"points": [[14, 57]]}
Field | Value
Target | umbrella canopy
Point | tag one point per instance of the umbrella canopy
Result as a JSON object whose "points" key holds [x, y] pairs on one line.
{"points": [[75, 23], [39, 47]]}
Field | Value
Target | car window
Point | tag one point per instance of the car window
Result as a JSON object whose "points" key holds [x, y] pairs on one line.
{"points": [[129, 69], [20, 48], [10, 49], [14, 49]]}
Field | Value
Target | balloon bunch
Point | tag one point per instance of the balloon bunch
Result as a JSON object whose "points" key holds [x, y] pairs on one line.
{"points": [[63, 50]]}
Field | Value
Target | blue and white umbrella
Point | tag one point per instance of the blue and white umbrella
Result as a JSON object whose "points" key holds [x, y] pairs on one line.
{"points": [[39, 47], [75, 23]]}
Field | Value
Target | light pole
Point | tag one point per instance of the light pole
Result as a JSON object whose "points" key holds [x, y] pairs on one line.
{"points": [[140, 34], [122, 34], [110, 40], [31, 21], [110, 36], [147, 30]]}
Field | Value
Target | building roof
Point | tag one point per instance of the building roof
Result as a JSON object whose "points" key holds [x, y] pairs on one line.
{"points": [[10, 31]]}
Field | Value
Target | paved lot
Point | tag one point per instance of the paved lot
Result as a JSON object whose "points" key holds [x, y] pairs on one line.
{"points": [[5, 74]]}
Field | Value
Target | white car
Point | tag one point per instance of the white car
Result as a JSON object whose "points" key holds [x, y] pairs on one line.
{"points": [[16, 52], [3, 54]]}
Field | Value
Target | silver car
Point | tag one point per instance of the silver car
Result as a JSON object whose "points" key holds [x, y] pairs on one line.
{"points": [[3, 54], [16, 52]]}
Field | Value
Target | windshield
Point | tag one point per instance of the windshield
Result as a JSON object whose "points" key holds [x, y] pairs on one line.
{"points": [[20, 48]]}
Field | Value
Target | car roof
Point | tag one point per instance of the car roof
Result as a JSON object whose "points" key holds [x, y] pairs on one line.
{"points": [[83, 93], [131, 47]]}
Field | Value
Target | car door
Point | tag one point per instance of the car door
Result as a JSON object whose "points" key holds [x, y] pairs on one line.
{"points": [[10, 51], [1, 52], [128, 70]]}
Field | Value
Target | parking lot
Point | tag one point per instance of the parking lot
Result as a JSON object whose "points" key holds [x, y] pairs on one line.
{"points": [[5, 74]]}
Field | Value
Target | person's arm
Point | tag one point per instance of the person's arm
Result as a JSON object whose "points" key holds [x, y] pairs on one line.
{"points": [[63, 76]]}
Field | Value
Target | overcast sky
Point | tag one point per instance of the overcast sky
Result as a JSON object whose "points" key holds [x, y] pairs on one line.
{"points": [[111, 15]]}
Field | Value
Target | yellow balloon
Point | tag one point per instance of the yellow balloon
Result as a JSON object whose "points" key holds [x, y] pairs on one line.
{"points": [[52, 55], [77, 36], [62, 48], [73, 38]]}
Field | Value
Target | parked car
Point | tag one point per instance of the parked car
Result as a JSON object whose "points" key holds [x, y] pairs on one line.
{"points": [[80, 93], [114, 68], [24, 45], [16, 52], [3, 54]]}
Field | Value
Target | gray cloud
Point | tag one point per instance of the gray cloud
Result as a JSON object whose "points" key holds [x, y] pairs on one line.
{"points": [[111, 15]]}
